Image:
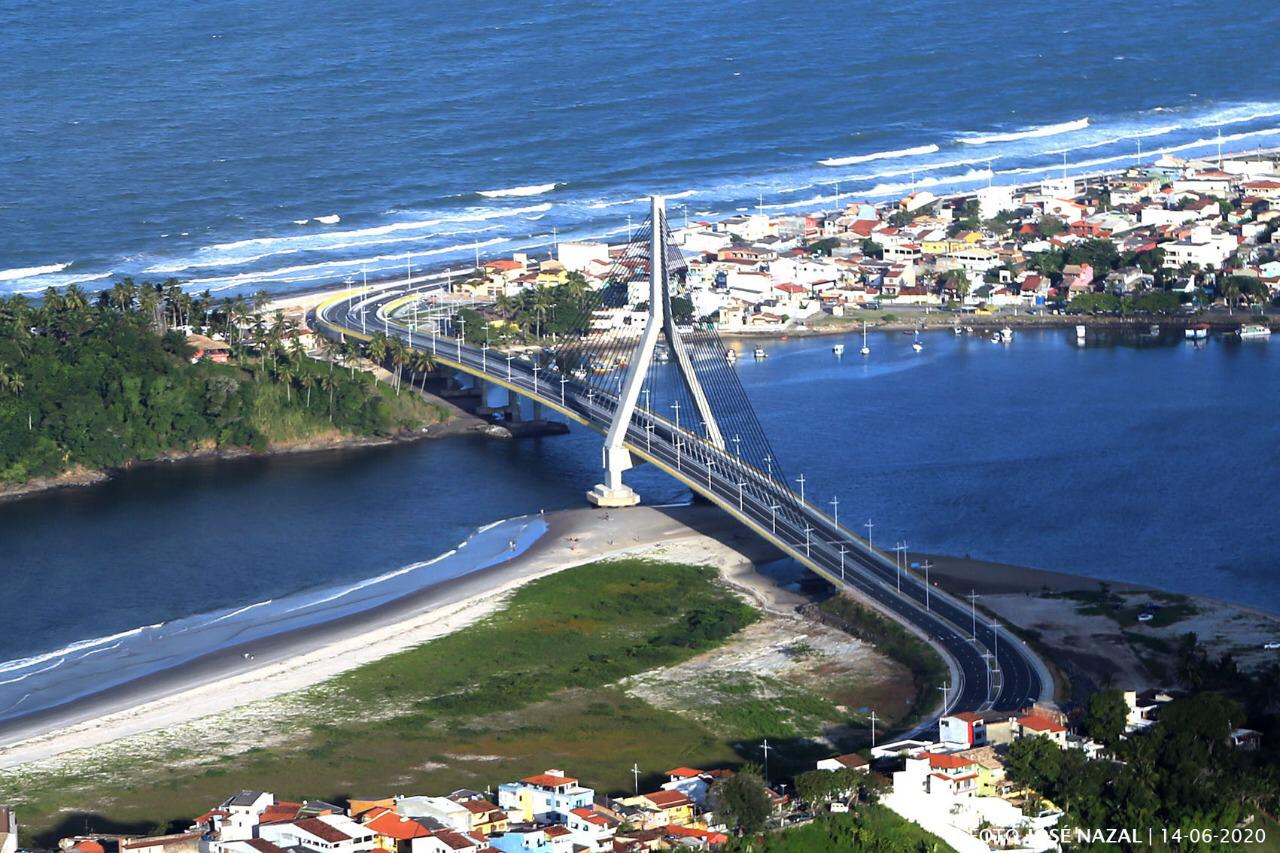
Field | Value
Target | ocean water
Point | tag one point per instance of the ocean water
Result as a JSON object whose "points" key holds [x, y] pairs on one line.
{"points": [[243, 146]]}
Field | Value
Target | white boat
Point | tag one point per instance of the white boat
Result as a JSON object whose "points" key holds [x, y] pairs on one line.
{"points": [[1254, 330], [956, 328], [759, 353], [916, 345], [838, 349], [1197, 332], [1080, 332], [731, 355], [866, 350], [1006, 335]]}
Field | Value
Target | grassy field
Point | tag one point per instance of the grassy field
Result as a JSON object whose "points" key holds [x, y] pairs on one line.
{"points": [[525, 689]]}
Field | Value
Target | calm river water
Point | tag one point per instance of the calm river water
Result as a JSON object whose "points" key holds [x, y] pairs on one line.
{"points": [[1151, 462]]}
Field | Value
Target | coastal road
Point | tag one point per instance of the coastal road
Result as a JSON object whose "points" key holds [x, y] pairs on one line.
{"points": [[990, 668]]}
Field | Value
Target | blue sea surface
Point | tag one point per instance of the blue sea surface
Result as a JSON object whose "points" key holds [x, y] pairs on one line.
{"points": [[242, 146]]}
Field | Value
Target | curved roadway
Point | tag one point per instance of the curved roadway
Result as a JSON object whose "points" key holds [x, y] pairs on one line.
{"points": [[767, 506]]}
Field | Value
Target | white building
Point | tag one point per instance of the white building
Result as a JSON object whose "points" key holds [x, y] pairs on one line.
{"points": [[994, 200], [581, 256], [1204, 247], [243, 811], [325, 834], [548, 796], [446, 811]]}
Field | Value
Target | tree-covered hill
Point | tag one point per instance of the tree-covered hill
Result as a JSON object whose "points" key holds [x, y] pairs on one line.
{"points": [[99, 384]]}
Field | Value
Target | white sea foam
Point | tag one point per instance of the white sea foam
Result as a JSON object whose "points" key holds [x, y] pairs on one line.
{"points": [[298, 222], [71, 649], [519, 192], [1111, 140], [59, 662], [31, 272], [895, 189], [473, 215], [239, 610], [1029, 133], [1239, 115], [329, 219], [880, 155], [321, 268]]}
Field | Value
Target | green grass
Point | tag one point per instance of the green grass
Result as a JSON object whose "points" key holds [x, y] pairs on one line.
{"points": [[753, 707], [529, 688], [1172, 608]]}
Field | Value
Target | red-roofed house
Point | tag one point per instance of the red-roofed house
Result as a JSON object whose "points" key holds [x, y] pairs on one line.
{"points": [[1037, 726], [690, 836], [663, 807], [964, 730], [851, 761], [938, 773], [548, 796], [324, 834], [591, 829]]}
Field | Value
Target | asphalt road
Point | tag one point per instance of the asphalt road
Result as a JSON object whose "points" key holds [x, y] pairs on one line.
{"points": [[768, 506]]}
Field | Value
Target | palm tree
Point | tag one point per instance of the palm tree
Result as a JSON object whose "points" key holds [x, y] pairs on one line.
{"points": [[379, 346], [11, 382], [329, 383], [399, 357], [286, 373], [308, 381], [423, 363]]}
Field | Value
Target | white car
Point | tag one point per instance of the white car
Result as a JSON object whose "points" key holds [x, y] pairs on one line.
{"points": [[1146, 617], [1274, 644]]}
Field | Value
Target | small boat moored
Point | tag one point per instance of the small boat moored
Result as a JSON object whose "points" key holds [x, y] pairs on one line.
{"points": [[838, 349], [866, 350], [731, 355], [1198, 332], [1254, 330], [916, 345], [1081, 331], [759, 353]]}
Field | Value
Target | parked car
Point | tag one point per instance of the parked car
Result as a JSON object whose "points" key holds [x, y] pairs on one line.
{"points": [[1274, 644]]}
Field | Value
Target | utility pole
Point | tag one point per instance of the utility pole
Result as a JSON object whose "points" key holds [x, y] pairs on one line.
{"points": [[869, 525], [973, 606], [800, 480], [873, 728], [835, 510], [986, 658], [945, 700], [635, 772], [765, 746], [773, 516], [807, 531], [843, 551]]}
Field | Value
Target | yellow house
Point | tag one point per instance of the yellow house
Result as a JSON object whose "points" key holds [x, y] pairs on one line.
{"points": [[663, 808], [991, 774], [486, 817]]}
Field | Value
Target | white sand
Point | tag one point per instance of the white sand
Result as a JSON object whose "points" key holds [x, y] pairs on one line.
{"points": [[575, 537]]}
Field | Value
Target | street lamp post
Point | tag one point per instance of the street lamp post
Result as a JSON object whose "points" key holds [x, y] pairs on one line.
{"points": [[869, 525], [835, 510], [563, 381], [536, 368], [800, 480], [973, 607], [773, 516], [737, 451], [873, 729], [709, 463], [927, 565], [807, 531], [510, 359], [742, 484], [843, 551]]}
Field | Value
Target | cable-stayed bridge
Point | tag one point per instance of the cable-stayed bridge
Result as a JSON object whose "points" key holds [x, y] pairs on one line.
{"points": [[666, 393]]}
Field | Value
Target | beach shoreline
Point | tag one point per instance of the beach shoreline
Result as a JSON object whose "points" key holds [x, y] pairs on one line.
{"points": [[286, 663]]}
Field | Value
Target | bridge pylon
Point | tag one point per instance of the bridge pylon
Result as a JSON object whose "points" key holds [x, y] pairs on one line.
{"points": [[613, 492]]}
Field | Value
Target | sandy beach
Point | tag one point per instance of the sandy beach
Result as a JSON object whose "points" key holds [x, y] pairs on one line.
{"points": [[288, 663]]}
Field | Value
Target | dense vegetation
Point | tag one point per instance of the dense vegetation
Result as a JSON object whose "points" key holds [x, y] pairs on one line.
{"points": [[869, 829], [889, 638], [98, 384], [1182, 774]]}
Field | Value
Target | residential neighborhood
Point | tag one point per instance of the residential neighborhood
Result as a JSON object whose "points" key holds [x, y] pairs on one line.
{"points": [[1201, 230], [968, 787]]}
